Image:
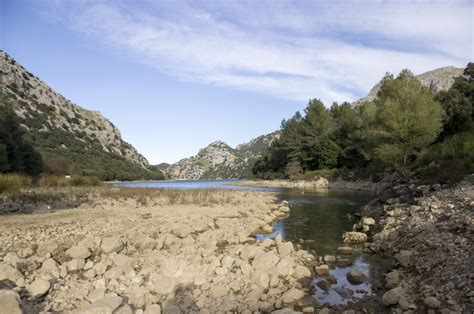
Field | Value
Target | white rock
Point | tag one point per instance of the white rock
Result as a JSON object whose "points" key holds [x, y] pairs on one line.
{"points": [[7, 272], [78, 251], [76, 265], [292, 296], [302, 272], [163, 284], [322, 270], [218, 291], [46, 249], [153, 309], [265, 261], [106, 305], [9, 302], [368, 221], [111, 244], [286, 248], [39, 287]]}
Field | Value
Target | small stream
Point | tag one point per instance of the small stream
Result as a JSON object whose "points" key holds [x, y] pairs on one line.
{"points": [[316, 221]]}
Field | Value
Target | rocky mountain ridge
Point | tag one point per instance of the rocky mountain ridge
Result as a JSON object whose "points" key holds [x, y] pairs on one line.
{"points": [[58, 127], [436, 80], [220, 161]]}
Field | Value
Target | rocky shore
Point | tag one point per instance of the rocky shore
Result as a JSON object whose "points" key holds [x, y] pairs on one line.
{"points": [[426, 232], [124, 256]]}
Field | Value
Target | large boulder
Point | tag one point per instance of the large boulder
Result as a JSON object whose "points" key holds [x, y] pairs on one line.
{"points": [[8, 272], [432, 303], [9, 302], [322, 270], [392, 296], [286, 248], [46, 249]]}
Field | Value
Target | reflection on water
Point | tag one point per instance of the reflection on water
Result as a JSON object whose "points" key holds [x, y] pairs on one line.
{"points": [[317, 221]]}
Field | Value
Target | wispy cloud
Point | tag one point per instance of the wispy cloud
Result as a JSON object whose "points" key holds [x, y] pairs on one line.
{"points": [[296, 50]]}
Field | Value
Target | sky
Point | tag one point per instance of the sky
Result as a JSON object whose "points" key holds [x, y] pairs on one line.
{"points": [[174, 76]]}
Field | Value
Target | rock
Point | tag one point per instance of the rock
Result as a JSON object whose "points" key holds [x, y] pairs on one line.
{"points": [[153, 309], [329, 259], [78, 251], [286, 248], [147, 243], [124, 309], [163, 284], [322, 270], [9, 302], [432, 303], [292, 295], [265, 261], [324, 285], [39, 287], [355, 277], [343, 262], [344, 250], [111, 244], [96, 295], [267, 229], [284, 268], [392, 296], [106, 305], [302, 272], [218, 291], [392, 279], [368, 221], [76, 265], [50, 267], [354, 237], [7, 272], [46, 249]]}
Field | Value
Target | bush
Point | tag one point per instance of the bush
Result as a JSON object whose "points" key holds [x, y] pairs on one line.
{"points": [[53, 181], [85, 181], [13, 182]]}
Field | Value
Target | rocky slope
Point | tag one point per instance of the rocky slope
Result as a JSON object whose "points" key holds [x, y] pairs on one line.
{"points": [[58, 127], [437, 80], [220, 161]]}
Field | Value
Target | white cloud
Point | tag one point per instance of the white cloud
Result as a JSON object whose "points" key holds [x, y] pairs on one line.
{"points": [[332, 51]]}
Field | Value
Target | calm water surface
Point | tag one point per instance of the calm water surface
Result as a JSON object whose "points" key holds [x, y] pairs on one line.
{"points": [[317, 221]]}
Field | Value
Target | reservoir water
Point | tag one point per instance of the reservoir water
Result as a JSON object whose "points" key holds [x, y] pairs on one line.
{"points": [[317, 220]]}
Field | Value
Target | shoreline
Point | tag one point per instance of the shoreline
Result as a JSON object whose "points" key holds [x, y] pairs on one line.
{"points": [[158, 255]]}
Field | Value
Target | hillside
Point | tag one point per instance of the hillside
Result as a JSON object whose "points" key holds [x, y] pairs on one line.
{"points": [[220, 161], [64, 132], [436, 80]]}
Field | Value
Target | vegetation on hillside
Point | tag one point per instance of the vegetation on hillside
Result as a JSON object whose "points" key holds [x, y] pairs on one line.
{"points": [[405, 129]]}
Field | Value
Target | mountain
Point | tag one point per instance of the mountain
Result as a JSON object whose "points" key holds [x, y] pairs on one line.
{"points": [[437, 80], [61, 130], [220, 161]]}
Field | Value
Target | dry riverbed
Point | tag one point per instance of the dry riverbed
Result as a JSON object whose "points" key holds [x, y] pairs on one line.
{"points": [[165, 252]]}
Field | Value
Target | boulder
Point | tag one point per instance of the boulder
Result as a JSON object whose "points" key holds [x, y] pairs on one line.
{"points": [[124, 309], [46, 249], [218, 291], [392, 279], [163, 284], [354, 237], [322, 270], [329, 259], [50, 267], [76, 265], [284, 268], [368, 221], [10, 302], [432, 303], [392, 296], [78, 251], [39, 287], [355, 277], [293, 295], [302, 272], [147, 243], [153, 309], [7, 272], [265, 261], [267, 229], [286, 248], [106, 305], [111, 244]]}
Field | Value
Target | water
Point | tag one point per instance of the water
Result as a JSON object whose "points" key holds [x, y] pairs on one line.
{"points": [[196, 184], [317, 221]]}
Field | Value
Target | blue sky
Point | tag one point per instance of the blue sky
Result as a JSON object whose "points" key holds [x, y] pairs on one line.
{"points": [[177, 75]]}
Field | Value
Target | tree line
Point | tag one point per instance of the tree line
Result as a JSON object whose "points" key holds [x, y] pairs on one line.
{"points": [[392, 131]]}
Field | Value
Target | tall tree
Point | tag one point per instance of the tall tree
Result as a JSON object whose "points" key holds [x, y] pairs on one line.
{"points": [[401, 122]]}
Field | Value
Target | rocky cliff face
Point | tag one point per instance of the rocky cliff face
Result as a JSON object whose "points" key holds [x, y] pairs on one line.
{"points": [[59, 127], [220, 161], [436, 80]]}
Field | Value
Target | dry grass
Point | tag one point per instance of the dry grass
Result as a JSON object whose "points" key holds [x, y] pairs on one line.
{"points": [[13, 182]]}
